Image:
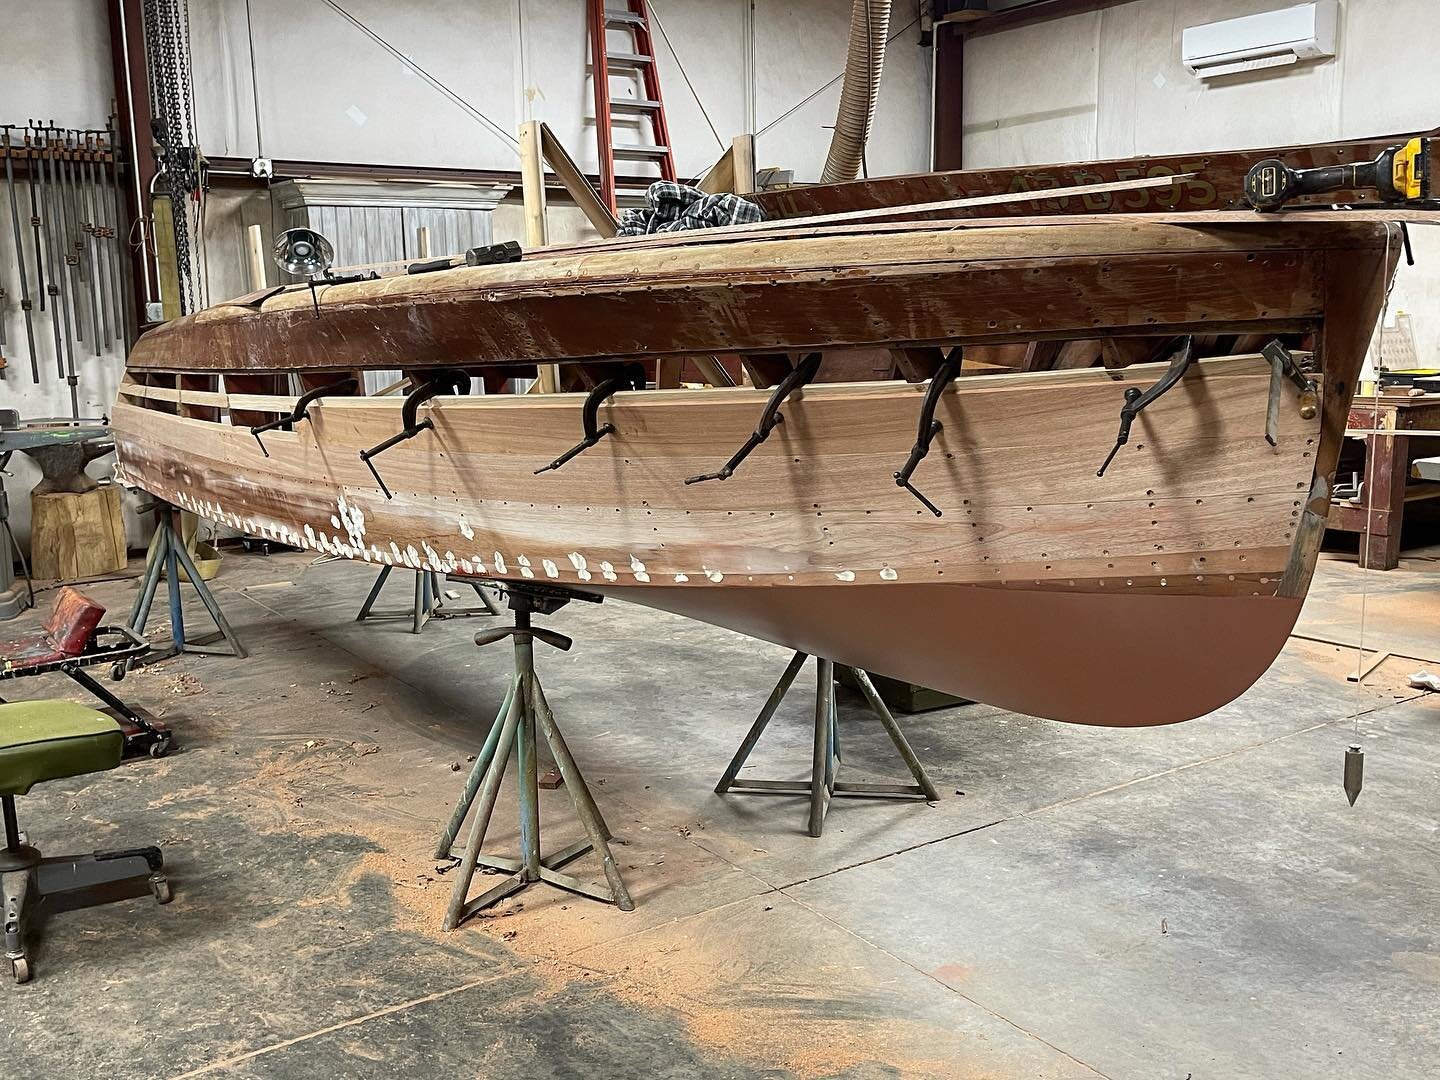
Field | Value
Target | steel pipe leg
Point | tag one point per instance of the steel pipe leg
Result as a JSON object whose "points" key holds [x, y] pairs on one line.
{"points": [[833, 750], [565, 761], [374, 593], [887, 720], [172, 584], [489, 792], [761, 723], [820, 763], [529, 784], [422, 595], [140, 613], [835, 730], [585, 808], [472, 782], [486, 599]]}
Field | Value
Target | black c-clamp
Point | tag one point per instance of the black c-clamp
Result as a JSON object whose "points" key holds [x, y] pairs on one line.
{"points": [[1136, 400], [929, 426], [769, 419], [301, 410], [442, 382], [631, 377]]}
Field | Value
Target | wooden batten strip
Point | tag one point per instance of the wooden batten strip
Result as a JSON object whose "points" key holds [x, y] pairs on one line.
{"points": [[150, 393], [211, 398], [787, 229], [1253, 364], [269, 403]]}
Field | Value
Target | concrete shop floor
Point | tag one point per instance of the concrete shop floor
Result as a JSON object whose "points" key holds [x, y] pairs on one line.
{"points": [[1194, 901]]}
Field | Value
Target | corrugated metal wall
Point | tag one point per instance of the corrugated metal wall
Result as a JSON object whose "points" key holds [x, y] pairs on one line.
{"points": [[370, 234], [381, 233]]}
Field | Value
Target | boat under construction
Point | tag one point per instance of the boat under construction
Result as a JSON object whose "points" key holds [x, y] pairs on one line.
{"points": [[1083, 419]]}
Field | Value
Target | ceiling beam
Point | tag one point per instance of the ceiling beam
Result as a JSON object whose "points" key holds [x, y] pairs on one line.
{"points": [[976, 23]]}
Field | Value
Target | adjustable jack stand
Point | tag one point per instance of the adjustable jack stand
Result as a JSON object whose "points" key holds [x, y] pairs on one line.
{"points": [[524, 713], [822, 785], [429, 602], [168, 554]]}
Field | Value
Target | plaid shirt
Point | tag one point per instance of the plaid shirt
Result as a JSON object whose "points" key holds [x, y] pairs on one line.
{"points": [[672, 207]]}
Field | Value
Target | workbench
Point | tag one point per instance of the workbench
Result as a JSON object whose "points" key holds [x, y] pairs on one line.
{"points": [[1396, 430]]}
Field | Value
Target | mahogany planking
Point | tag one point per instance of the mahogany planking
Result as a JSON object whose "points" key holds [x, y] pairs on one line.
{"points": [[893, 288], [1218, 183], [1196, 513]]}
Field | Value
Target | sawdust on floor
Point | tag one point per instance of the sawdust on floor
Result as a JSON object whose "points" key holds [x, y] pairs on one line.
{"points": [[1383, 686], [806, 1038], [397, 801], [815, 1037]]}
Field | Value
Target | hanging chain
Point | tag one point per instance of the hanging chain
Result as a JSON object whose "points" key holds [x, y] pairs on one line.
{"points": [[167, 52]]}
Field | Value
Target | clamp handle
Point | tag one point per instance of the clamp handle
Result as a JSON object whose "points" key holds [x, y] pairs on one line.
{"points": [[452, 382], [301, 410], [631, 377], [522, 633], [1135, 400], [929, 426], [1282, 367], [770, 418]]}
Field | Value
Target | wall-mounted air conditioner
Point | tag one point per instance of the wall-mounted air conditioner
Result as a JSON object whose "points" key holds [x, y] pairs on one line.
{"points": [[1270, 39]]}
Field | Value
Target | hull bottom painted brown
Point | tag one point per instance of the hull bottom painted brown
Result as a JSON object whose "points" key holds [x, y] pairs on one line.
{"points": [[1104, 659]]}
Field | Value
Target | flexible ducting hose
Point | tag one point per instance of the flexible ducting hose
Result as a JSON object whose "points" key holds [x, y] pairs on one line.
{"points": [[869, 27]]}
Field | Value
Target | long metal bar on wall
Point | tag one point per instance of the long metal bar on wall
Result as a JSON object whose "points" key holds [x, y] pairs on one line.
{"points": [[132, 104], [62, 177], [976, 23], [236, 170]]}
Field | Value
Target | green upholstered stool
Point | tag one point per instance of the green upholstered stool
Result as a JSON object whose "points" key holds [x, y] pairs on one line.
{"points": [[52, 740]]}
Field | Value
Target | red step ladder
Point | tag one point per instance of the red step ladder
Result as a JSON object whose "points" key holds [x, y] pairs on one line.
{"points": [[639, 65]]}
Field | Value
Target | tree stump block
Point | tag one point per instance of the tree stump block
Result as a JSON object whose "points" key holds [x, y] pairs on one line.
{"points": [[75, 536]]}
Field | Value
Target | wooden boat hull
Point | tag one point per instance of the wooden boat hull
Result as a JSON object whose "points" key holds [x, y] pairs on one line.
{"points": [[1150, 595], [657, 296], [1108, 659], [1039, 577]]}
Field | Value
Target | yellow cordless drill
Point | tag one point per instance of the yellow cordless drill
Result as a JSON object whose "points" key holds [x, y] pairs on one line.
{"points": [[1400, 175]]}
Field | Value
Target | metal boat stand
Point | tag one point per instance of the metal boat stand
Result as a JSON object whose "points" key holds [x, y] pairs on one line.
{"points": [[525, 713], [169, 556], [429, 601], [822, 785]]}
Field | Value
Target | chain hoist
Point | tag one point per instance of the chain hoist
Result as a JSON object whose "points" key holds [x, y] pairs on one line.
{"points": [[167, 52]]}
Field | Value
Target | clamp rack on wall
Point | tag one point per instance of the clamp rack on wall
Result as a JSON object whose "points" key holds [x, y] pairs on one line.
{"points": [[63, 194]]}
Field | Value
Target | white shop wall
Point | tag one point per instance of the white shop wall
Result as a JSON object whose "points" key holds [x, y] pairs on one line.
{"points": [[56, 67], [1111, 83], [329, 92]]}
